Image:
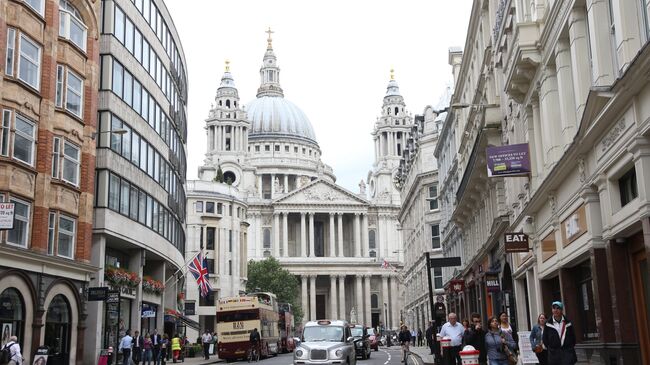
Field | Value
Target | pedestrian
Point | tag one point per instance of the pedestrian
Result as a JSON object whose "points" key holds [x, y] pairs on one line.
{"points": [[155, 341], [559, 337], [496, 341], [465, 323], [506, 326], [431, 333], [138, 342], [176, 348], [164, 344], [414, 336], [207, 339], [125, 347], [420, 339], [454, 331], [15, 356], [147, 348], [475, 336], [536, 342], [404, 341]]}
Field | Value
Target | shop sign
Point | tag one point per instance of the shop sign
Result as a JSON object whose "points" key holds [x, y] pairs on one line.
{"points": [[445, 262], [40, 357], [492, 283], [125, 291], [516, 242], [7, 215], [148, 310], [457, 286], [574, 226], [509, 160], [113, 296], [190, 308], [97, 294]]}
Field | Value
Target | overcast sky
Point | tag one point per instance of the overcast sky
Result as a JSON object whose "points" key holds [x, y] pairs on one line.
{"points": [[335, 57]]}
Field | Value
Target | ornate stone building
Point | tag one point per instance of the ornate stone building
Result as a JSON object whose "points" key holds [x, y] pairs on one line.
{"points": [[334, 240], [570, 79], [48, 99]]}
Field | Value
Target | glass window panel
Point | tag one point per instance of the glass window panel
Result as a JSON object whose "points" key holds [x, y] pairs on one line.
{"points": [[118, 71], [50, 234], [77, 33], [149, 210], [4, 139], [29, 62], [11, 48], [137, 96], [135, 148], [119, 24], [134, 204], [128, 88], [59, 86], [36, 5], [74, 94], [143, 155], [116, 138], [128, 36], [24, 140], [126, 142], [137, 46], [19, 234], [142, 209], [114, 192], [66, 237], [71, 163], [125, 189]]}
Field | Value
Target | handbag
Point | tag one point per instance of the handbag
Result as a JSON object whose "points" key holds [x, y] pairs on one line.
{"points": [[512, 357], [538, 349]]}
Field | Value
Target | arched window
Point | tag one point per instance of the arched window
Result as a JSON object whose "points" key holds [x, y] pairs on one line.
{"points": [[220, 103], [396, 110], [12, 311], [267, 238], [372, 244], [227, 103], [57, 329], [374, 301], [71, 25]]}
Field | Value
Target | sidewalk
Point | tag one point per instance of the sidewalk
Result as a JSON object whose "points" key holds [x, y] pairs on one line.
{"points": [[423, 353], [199, 360]]}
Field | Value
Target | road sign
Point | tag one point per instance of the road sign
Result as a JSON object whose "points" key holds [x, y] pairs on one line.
{"points": [[97, 294], [7, 215], [445, 262]]}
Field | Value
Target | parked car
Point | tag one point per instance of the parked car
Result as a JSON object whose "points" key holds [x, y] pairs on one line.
{"points": [[325, 342], [361, 342], [373, 338]]}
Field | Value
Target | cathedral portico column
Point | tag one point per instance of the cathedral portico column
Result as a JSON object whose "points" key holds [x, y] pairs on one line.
{"points": [[259, 185], [364, 235], [257, 218], [366, 298], [394, 305], [305, 303], [312, 297], [342, 311], [381, 144], [285, 234], [223, 138], [311, 235], [384, 295], [357, 235], [286, 184], [276, 234], [333, 311], [303, 236], [358, 305], [340, 233], [331, 234], [272, 186]]}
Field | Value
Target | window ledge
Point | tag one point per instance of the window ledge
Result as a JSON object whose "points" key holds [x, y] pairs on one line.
{"points": [[27, 87], [79, 50], [65, 184]]}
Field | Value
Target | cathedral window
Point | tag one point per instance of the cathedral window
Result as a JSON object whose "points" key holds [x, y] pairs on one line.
{"points": [[435, 236], [399, 149], [267, 238], [286, 148], [433, 197], [227, 103], [257, 148], [304, 151], [198, 207], [209, 207], [277, 148], [396, 110], [219, 208], [295, 149], [267, 148], [220, 103]]}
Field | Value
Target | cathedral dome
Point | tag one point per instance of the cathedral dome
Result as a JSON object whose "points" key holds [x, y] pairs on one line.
{"points": [[277, 116]]}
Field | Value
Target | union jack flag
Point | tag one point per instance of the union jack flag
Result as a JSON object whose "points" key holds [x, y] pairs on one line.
{"points": [[199, 268], [385, 264]]}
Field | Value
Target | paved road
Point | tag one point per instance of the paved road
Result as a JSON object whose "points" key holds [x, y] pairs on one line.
{"points": [[385, 356]]}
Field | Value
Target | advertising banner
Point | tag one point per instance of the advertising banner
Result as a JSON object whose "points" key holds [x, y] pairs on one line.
{"points": [[492, 283], [457, 286], [516, 242], [510, 160]]}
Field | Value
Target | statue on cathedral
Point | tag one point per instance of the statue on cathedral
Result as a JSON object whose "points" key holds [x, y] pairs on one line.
{"points": [[353, 315], [276, 185], [362, 187]]}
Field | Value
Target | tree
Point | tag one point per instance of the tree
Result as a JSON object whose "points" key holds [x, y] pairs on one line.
{"points": [[268, 276]]}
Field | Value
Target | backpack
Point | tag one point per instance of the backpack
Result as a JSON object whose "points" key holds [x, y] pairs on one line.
{"points": [[5, 354]]}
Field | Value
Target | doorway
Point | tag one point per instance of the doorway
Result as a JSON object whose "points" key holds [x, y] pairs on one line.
{"points": [[319, 241], [57, 330], [320, 306], [641, 292]]}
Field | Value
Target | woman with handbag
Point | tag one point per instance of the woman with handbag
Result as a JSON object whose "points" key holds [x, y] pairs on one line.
{"points": [[499, 344], [536, 342]]}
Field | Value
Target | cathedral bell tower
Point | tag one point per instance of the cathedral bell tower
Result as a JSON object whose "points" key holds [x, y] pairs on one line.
{"points": [[390, 136], [227, 133]]}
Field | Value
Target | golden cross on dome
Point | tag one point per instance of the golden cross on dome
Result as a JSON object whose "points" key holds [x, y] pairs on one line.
{"points": [[269, 40], [227, 66], [392, 74]]}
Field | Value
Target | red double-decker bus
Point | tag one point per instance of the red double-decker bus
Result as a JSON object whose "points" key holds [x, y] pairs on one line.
{"points": [[236, 318], [287, 328]]}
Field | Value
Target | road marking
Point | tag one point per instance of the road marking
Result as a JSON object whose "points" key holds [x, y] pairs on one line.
{"points": [[389, 357]]}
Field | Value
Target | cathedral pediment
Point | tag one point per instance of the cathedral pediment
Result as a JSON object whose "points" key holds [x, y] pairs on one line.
{"points": [[321, 192]]}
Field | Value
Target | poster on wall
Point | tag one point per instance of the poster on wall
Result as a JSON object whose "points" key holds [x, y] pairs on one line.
{"points": [[40, 358], [509, 160], [6, 333]]}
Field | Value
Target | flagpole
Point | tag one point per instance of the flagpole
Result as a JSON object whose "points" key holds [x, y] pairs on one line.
{"points": [[184, 268]]}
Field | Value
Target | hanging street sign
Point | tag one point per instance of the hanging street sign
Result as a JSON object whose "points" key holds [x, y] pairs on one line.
{"points": [[445, 261], [516, 242]]}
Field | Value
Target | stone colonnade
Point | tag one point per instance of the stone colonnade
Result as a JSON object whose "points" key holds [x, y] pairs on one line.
{"points": [[339, 304]]}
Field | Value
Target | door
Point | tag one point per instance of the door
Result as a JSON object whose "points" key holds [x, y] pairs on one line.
{"points": [[57, 331], [320, 306], [641, 285]]}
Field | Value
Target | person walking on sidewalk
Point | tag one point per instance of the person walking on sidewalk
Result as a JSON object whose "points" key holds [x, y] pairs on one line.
{"points": [[420, 339], [156, 339], [430, 333], [475, 336], [559, 337], [495, 341], [404, 341], [207, 339], [454, 331], [137, 347], [536, 342]]}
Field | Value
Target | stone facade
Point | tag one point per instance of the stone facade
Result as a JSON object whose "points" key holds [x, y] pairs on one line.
{"points": [[48, 94], [570, 84]]}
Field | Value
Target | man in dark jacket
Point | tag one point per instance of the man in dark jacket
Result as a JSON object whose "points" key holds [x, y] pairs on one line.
{"points": [[559, 338], [404, 341], [138, 341], [475, 336], [430, 334]]}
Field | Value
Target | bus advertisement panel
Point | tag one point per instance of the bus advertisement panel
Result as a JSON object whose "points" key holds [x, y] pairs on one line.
{"points": [[236, 319]]}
